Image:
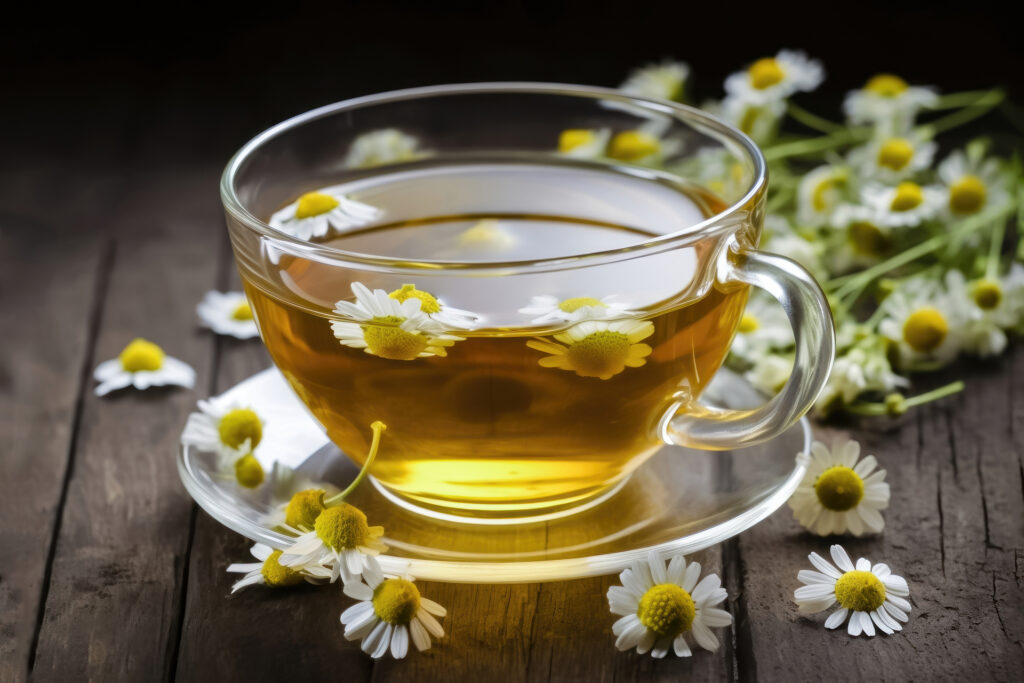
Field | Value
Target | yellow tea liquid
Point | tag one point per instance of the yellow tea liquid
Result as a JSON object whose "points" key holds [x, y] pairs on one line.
{"points": [[487, 429]]}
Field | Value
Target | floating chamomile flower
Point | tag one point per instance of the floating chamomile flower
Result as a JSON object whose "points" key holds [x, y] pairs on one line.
{"points": [[389, 328], [905, 205], [862, 368], [660, 606], [988, 309], [924, 323], [447, 316], [389, 614], [486, 235], [888, 102], [340, 540], [758, 119], [821, 191], [665, 81], [549, 309], [142, 364], [838, 493], [270, 572], [869, 595], [595, 348], [380, 147], [584, 143], [763, 326], [971, 184], [227, 313], [890, 159], [315, 213], [775, 78]]}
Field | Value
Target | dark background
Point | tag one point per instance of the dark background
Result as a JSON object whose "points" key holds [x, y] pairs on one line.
{"points": [[225, 72]]}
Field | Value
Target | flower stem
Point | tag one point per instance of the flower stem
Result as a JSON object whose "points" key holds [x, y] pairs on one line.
{"points": [[377, 428], [812, 120], [995, 248], [979, 107], [873, 409], [824, 143]]}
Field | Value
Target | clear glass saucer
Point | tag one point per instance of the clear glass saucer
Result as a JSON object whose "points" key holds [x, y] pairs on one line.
{"points": [[679, 501]]}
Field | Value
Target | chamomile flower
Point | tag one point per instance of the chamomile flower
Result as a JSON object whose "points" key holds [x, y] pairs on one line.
{"points": [[380, 147], [665, 81], [645, 145], [389, 328], [971, 184], [227, 313], [820, 193], [869, 236], [987, 310], [447, 316], [549, 309], [840, 493], [584, 143], [763, 326], [390, 613], [869, 595], [229, 429], [596, 348], [269, 571], [340, 540], [863, 368], [314, 214], [665, 608], [758, 119], [888, 102], [771, 79], [892, 158], [924, 323], [770, 372], [808, 253], [142, 364], [905, 205]]}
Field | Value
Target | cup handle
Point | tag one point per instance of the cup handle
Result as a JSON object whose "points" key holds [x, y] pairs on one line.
{"points": [[688, 423]]}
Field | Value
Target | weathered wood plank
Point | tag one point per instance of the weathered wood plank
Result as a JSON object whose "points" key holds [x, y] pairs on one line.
{"points": [[114, 599], [945, 463], [51, 259]]}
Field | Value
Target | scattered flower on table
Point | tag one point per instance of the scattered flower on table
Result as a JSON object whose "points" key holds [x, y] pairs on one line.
{"points": [[666, 80], [840, 493], [890, 159], [770, 79], [888, 102], [227, 313], [385, 146], [904, 205], [820, 193], [662, 609], [231, 430], [270, 572], [594, 348], [868, 595], [924, 323], [315, 213], [971, 182], [341, 540], [392, 328], [390, 613], [142, 364]]}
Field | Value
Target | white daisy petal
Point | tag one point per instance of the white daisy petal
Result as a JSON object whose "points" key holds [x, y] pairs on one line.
{"points": [[823, 566], [841, 559], [420, 637], [836, 619], [400, 642], [681, 647]]}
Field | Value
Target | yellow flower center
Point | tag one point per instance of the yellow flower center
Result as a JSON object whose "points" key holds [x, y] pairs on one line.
{"points": [[748, 323], [839, 488], [867, 238], [860, 591], [886, 85], [666, 609], [428, 304], [277, 576], [392, 342], [576, 303], [599, 354], [632, 145], [575, 137], [766, 72], [304, 508], [238, 425], [925, 329], [396, 601], [987, 294], [967, 195], [342, 527], [314, 204], [895, 153], [824, 193], [908, 196], [249, 471], [242, 312], [141, 355]]}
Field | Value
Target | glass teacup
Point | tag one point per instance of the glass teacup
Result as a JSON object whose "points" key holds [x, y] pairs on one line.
{"points": [[529, 284]]}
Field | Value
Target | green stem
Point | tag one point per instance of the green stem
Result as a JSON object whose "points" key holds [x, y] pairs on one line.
{"points": [[957, 100], [824, 143], [995, 247], [980, 107], [377, 428], [811, 120], [875, 409], [780, 199]]}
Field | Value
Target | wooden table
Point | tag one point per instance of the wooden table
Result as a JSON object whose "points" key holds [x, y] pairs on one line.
{"points": [[108, 572]]}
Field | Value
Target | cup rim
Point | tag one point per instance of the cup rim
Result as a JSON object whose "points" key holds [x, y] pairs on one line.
{"points": [[691, 116]]}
